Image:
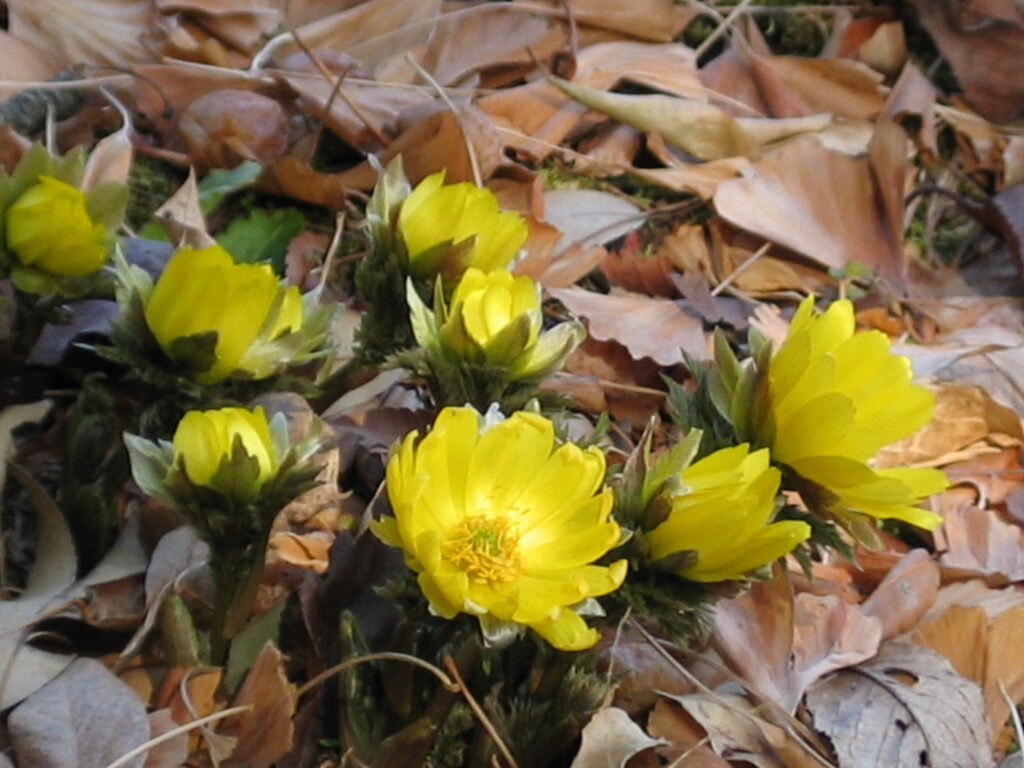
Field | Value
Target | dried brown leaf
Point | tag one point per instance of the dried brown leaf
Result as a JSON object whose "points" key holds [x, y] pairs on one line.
{"points": [[820, 203], [24, 61], [793, 86], [655, 20], [182, 217], [669, 721], [916, 708], [779, 645], [905, 594], [610, 739], [986, 52], [264, 733], [648, 327], [977, 541]]}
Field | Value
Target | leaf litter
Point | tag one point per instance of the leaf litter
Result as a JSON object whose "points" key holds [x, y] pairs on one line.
{"points": [[670, 188]]}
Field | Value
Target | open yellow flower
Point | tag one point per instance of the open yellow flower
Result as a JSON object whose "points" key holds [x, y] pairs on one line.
{"points": [[499, 524], [722, 514], [495, 320], [205, 291], [435, 214], [49, 228], [205, 440], [835, 398]]}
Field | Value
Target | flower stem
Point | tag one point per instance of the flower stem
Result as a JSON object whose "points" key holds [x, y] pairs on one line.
{"points": [[237, 574]]}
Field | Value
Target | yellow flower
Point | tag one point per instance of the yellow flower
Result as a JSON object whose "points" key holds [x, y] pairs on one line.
{"points": [[205, 440], [435, 214], [204, 291], [835, 398], [49, 228], [723, 513], [499, 524], [495, 320]]}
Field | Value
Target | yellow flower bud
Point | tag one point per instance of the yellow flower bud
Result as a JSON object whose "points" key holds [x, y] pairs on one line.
{"points": [[436, 213], [495, 320], [49, 228], [203, 291], [205, 440]]}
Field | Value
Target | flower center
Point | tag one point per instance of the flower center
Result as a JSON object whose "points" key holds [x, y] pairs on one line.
{"points": [[485, 547]]}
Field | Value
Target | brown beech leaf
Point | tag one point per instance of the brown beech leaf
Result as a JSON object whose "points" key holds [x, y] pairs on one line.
{"points": [[83, 718], [916, 708], [610, 739], [824, 204], [24, 61], [655, 20], [905, 594], [648, 327], [669, 721], [264, 733], [779, 645], [794, 86], [102, 32], [985, 50], [981, 648], [977, 541]]}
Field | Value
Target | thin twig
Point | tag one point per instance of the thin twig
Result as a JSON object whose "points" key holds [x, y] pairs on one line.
{"points": [[338, 90], [721, 29], [168, 735], [474, 162], [325, 268], [384, 656], [453, 670], [747, 263]]}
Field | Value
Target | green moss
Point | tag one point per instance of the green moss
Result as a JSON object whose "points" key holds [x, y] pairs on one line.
{"points": [[150, 183]]}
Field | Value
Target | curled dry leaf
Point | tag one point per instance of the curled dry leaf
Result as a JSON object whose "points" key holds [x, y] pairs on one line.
{"points": [[171, 753], [648, 327], [182, 217], [224, 128], [687, 739], [610, 739], [84, 717], [655, 20], [916, 708]]}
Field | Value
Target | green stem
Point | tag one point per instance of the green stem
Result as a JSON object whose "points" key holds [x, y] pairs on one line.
{"points": [[237, 574]]}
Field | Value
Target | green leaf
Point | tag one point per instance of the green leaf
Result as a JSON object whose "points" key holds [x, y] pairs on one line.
{"points": [[220, 183], [262, 236], [248, 643]]}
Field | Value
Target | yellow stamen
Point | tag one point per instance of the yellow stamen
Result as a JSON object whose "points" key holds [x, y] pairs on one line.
{"points": [[485, 547]]}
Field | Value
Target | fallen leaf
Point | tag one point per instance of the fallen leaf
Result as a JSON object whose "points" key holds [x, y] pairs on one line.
{"points": [[985, 51], [976, 541], [610, 739], [264, 733], [905, 594], [85, 717], [795, 86], [916, 708], [779, 645], [168, 754], [589, 217], [656, 20], [687, 740], [648, 327], [182, 216], [820, 203]]}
